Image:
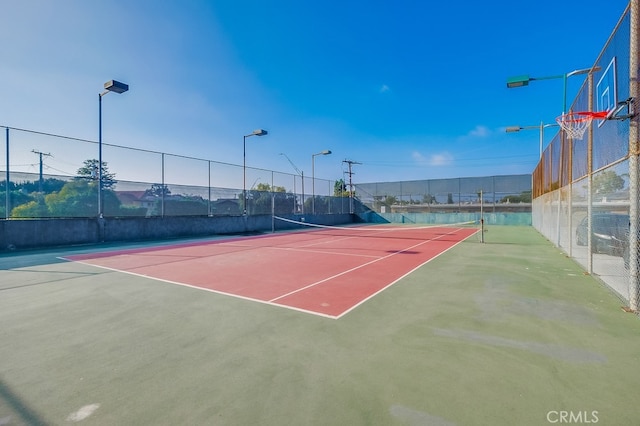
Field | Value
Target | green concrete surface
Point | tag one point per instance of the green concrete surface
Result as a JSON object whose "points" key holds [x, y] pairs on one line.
{"points": [[505, 332]]}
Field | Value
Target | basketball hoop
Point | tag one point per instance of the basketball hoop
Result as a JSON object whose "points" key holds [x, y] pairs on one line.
{"points": [[576, 123]]}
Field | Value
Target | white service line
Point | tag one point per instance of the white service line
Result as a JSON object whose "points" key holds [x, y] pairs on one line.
{"points": [[356, 268]]}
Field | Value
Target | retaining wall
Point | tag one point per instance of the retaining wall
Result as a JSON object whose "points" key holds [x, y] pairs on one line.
{"points": [[40, 233]]}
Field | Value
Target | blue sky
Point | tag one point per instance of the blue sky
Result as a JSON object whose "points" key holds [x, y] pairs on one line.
{"points": [[410, 89]]}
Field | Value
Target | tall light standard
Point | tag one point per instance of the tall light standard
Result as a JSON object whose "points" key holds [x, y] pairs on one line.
{"points": [[523, 80], [257, 132], [542, 126], [109, 86], [301, 173], [313, 179]]}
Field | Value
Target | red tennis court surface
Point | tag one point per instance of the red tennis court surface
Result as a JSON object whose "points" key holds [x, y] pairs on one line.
{"points": [[327, 272]]}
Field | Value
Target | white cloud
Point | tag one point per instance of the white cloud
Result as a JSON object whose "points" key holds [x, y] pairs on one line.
{"points": [[480, 132], [384, 89], [418, 157], [441, 159], [437, 159]]}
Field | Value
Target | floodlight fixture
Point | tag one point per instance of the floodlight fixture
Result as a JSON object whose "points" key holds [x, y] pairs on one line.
{"points": [[518, 81], [258, 132], [116, 86]]}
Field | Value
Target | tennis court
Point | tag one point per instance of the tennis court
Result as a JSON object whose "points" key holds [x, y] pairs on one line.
{"points": [[509, 331], [325, 270]]}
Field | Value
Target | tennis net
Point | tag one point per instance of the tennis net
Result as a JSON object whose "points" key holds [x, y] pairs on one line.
{"points": [[378, 229]]}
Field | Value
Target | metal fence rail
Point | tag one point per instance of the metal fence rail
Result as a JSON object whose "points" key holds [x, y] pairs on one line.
{"points": [[433, 195], [586, 191], [48, 175]]}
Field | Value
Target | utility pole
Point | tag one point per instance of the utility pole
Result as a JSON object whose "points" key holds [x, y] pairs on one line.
{"points": [[351, 173], [41, 154]]}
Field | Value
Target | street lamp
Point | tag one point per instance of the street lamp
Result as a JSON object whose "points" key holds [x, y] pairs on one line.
{"points": [[523, 80], [109, 86], [542, 126], [313, 179], [257, 132], [301, 173]]}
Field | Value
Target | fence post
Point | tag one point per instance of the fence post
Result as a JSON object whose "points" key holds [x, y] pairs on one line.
{"points": [[590, 185], [634, 152], [163, 189], [7, 197]]}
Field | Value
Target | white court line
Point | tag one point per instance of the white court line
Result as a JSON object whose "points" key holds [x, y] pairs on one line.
{"points": [[399, 278], [197, 287], [272, 301], [358, 267], [326, 239], [302, 250]]}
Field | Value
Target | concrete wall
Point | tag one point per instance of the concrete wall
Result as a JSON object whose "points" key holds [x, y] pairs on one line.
{"points": [[40, 233]]}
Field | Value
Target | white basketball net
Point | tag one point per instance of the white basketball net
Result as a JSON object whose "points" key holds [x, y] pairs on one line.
{"points": [[576, 123]]}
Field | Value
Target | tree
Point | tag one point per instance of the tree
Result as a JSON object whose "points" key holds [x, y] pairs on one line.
{"points": [[449, 198], [31, 209], [340, 189], [260, 199], [48, 185], [607, 182], [79, 198], [524, 197], [390, 200], [76, 199], [157, 190], [428, 199], [91, 171], [265, 187], [16, 198]]}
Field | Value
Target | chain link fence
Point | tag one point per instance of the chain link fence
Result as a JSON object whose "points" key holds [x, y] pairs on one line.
{"points": [[48, 175], [585, 192], [499, 200]]}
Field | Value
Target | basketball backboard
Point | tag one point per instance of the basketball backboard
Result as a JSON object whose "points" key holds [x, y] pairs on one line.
{"points": [[606, 91]]}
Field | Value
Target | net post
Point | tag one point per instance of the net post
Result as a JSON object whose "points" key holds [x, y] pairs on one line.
{"points": [[273, 206], [481, 217]]}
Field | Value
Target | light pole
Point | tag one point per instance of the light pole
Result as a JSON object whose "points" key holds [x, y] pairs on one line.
{"points": [[301, 173], [257, 132], [109, 86], [542, 126], [523, 80], [313, 178]]}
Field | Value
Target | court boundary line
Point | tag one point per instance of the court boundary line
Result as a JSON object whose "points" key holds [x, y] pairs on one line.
{"points": [[372, 262], [195, 287], [366, 299], [273, 302]]}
